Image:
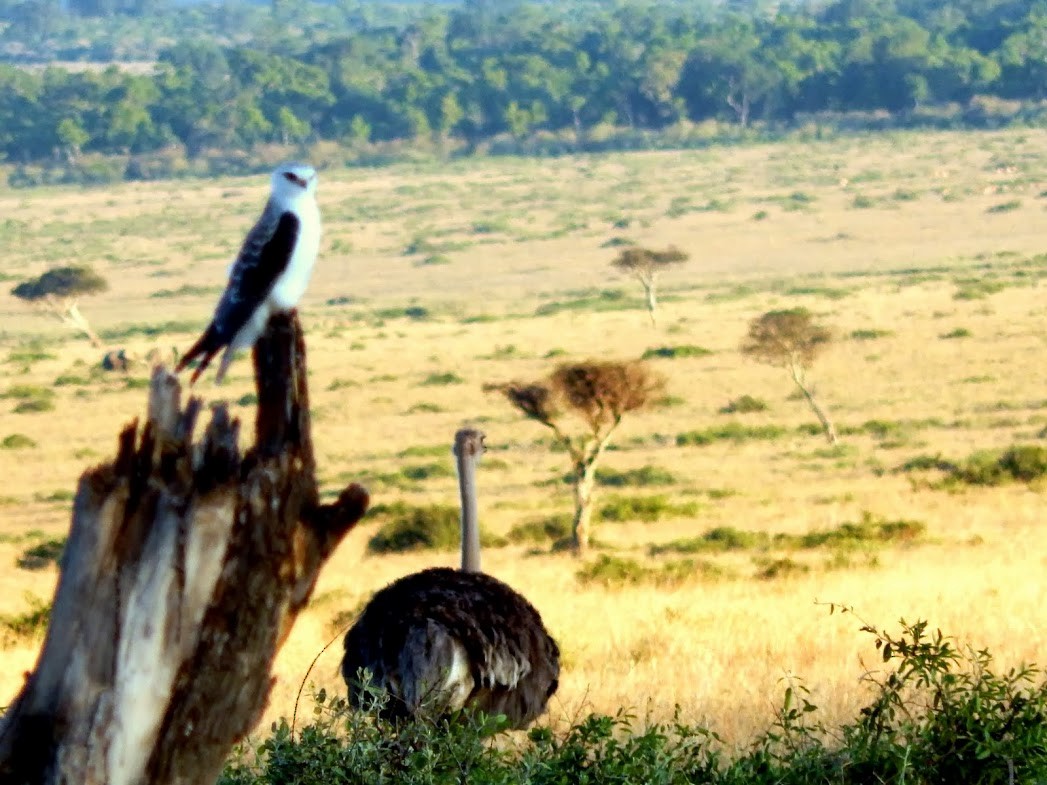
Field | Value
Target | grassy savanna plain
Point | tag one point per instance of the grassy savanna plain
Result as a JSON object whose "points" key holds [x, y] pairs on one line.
{"points": [[921, 251]]}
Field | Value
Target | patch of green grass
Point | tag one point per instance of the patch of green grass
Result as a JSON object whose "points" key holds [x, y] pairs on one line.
{"points": [[828, 292], [42, 554], [433, 260], [62, 495], [34, 405], [614, 571], [675, 352], [425, 451], [1018, 463], [977, 288], [643, 477], [17, 441], [29, 624], [27, 356], [1005, 207], [426, 471], [744, 404], [424, 407], [863, 202], [959, 332], [342, 384], [415, 313], [23, 392], [773, 569], [437, 379], [432, 527], [648, 509], [553, 528], [72, 380], [603, 300], [869, 530], [733, 431], [869, 334], [165, 329], [187, 290]]}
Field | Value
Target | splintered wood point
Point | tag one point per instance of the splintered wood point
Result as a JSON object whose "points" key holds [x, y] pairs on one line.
{"points": [[185, 568]]}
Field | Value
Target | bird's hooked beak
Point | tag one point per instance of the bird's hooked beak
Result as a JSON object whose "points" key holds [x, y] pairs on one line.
{"points": [[291, 177]]}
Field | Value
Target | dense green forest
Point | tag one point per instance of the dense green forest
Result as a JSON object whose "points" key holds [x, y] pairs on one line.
{"points": [[234, 76]]}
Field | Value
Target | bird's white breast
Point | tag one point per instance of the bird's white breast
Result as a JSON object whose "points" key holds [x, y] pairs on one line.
{"points": [[291, 284]]}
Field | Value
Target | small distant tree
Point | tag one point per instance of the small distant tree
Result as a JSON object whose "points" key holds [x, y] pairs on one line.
{"points": [[57, 291], [791, 339], [645, 265], [598, 394]]}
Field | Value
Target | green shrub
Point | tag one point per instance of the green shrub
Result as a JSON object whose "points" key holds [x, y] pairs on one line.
{"points": [[25, 392], [675, 352], [26, 625], [744, 404], [426, 471], [936, 711], [643, 477], [1005, 207], [719, 539], [42, 554], [432, 527], [541, 530], [1021, 463], [869, 334], [34, 405], [734, 431], [613, 571], [421, 528], [977, 289], [770, 569], [436, 379], [17, 441], [959, 332], [643, 508]]}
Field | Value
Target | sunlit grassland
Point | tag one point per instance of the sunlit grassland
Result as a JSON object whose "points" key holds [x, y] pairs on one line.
{"points": [[920, 251]]}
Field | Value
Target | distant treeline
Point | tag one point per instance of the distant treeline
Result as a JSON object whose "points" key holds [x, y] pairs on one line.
{"points": [[238, 76]]}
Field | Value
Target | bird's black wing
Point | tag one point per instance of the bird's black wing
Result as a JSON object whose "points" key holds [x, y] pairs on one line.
{"points": [[265, 254]]}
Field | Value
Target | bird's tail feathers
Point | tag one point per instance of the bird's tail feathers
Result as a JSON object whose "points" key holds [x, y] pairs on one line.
{"points": [[205, 348]]}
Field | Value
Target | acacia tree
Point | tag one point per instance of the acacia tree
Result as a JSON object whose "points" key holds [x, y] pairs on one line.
{"points": [[645, 265], [597, 393], [58, 291], [791, 338]]}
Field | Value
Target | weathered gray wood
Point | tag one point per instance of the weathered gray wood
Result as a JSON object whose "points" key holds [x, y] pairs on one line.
{"points": [[185, 568]]}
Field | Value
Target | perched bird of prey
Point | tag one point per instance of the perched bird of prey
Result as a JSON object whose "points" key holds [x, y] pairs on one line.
{"points": [[270, 273]]}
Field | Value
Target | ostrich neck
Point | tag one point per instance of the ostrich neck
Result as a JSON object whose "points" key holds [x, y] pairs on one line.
{"points": [[470, 514]]}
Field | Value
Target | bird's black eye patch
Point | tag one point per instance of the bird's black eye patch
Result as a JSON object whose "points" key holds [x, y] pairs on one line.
{"points": [[293, 178]]}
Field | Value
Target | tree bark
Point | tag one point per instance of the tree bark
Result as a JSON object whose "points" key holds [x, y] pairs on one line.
{"points": [[819, 412], [185, 568], [584, 480]]}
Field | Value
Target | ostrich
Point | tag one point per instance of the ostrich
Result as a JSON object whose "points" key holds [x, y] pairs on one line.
{"points": [[442, 639]]}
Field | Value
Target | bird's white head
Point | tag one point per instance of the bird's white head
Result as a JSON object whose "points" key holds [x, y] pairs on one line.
{"points": [[292, 182]]}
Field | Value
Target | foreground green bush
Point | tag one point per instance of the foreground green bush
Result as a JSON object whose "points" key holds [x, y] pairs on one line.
{"points": [[936, 713]]}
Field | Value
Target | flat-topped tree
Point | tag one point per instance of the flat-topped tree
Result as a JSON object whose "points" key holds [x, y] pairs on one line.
{"points": [[598, 394], [59, 290], [186, 566], [791, 339], [645, 265]]}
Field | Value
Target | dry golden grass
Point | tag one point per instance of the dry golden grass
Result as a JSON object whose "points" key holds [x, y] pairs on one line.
{"points": [[517, 235]]}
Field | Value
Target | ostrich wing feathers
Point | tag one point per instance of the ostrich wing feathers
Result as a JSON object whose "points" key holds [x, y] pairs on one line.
{"points": [[455, 639]]}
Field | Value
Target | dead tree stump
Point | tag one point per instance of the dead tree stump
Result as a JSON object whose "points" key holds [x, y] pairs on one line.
{"points": [[185, 568]]}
